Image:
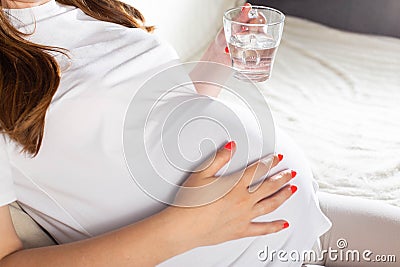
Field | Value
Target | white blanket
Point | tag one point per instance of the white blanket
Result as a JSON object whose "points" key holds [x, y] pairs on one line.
{"points": [[338, 95]]}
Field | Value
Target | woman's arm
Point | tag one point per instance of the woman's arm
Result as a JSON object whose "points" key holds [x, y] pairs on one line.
{"points": [[9, 239], [170, 232], [127, 246]]}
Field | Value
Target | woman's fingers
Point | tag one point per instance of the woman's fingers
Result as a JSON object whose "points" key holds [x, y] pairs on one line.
{"points": [[260, 19], [244, 14], [259, 169], [265, 228], [271, 203], [243, 17], [250, 18], [271, 185], [222, 157]]}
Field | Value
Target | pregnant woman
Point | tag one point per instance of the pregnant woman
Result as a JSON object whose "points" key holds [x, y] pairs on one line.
{"points": [[62, 155]]}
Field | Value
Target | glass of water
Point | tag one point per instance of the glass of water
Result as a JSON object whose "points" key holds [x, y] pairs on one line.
{"points": [[253, 37]]}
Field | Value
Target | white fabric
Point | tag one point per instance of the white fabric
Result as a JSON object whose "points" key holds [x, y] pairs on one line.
{"points": [[338, 94], [7, 193], [353, 219], [79, 185]]}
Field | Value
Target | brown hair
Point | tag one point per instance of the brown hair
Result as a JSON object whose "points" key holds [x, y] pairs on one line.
{"points": [[30, 76]]}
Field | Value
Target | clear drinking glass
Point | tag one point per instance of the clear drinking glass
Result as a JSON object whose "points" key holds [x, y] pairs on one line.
{"points": [[253, 40]]}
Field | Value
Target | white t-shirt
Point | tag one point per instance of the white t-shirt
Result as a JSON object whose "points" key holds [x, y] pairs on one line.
{"points": [[79, 185]]}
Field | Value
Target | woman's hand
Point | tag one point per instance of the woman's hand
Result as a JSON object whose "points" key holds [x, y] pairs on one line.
{"points": [[218, 50], [230, 217]]}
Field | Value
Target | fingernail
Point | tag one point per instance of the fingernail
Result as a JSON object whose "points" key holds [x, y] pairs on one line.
{"points": [[280, 157], [245, 6], [230, 145], [226, 50], [285, 225], [293, 174], [293, 188]]}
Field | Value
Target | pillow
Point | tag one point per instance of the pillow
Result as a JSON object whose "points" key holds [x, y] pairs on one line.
{"points": [[189, 26]]}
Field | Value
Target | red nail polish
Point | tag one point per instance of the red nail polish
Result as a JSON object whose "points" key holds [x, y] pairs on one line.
{"points": [[280, 157], [285, 225], [245, 6], [293, 188], [293, 174], [230, 145], [226, 50]]}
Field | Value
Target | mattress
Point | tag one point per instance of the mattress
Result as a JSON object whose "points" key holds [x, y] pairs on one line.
{"points": [[338, 95]]}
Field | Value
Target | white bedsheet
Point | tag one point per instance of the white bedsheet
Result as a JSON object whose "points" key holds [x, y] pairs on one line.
{"points": [[338, 95]]}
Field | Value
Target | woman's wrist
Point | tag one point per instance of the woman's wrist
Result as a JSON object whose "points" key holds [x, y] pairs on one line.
{"points": [[179, 231]]}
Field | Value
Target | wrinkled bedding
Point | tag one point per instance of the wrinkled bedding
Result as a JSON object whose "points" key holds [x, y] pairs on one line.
{"points": [[338, 95]]}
